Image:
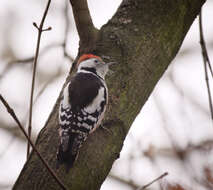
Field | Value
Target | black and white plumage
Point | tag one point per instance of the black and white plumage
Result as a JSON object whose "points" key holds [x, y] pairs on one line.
{"points": [[82, 107]]}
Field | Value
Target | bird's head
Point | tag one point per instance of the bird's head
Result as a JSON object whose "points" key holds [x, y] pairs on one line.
{"points": [[94, 64]]}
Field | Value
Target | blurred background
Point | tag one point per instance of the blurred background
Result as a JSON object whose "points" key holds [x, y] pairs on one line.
{"points": [[173, 132]]}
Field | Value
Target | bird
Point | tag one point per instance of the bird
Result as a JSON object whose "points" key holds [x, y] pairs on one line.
{"points": [[82, 107]]}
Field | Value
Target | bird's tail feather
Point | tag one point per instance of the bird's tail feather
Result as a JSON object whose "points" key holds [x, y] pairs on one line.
{"points": [[68, 149]]}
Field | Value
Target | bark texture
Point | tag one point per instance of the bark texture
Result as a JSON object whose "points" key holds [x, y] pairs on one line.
{"points": [[143, 37]]}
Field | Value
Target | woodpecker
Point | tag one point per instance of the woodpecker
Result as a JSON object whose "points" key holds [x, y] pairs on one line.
{"points": [[82, 107]]}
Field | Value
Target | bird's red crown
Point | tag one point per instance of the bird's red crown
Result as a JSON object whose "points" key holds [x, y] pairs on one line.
{"points": [[87, 56]]}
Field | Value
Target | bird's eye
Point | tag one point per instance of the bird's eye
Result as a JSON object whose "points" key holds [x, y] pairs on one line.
{"points": [[96, 61]]}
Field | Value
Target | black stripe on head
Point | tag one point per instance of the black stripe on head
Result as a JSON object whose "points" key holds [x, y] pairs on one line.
{"points": [[93, 70]]}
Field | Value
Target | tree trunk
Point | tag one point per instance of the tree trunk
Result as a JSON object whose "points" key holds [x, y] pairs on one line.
{"points": [[143, 37]]}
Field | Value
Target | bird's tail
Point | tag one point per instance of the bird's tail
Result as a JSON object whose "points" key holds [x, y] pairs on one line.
{"points": [[68, 149]]}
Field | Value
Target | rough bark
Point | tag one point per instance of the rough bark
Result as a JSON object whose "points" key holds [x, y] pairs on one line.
{"points": [[143, 37]]}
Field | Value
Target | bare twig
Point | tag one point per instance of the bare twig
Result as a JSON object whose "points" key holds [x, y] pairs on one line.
{"points": [[12, 113], [153, 181], [24, 60], [202, 147], [205, 62], [135, 186], [129, 183], [40, 30]]}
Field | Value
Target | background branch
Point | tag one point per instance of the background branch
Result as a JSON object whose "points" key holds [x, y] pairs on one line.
{"points": [[128, 183], [32, 58], [206, 62], [153, 181], [15, 132]]}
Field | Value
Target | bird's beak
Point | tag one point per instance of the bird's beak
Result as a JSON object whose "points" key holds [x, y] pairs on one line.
{"points": [[110, 72]]}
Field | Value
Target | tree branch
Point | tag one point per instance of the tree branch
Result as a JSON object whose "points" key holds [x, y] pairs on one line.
{"points": [[153, 181], [205, 62], [87, 32], [12, 113], [40, 30], [129, 183], [42, 52]]}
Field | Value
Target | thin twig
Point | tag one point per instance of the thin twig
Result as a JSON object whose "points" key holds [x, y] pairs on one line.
{"points": [[129, 183], [153, 181], [205, 62], [40, 30], [12, 113]]}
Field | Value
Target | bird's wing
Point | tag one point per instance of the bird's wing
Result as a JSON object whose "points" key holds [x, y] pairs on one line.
{"points": [[83, 89]]}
